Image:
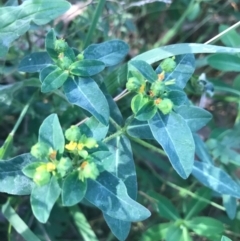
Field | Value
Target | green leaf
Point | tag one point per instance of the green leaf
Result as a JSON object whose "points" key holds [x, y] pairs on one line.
{"points": [[194, 207], [119, 228], [121, 164], [174, 233], [109, 194], [146, 112], [201, 149], [84, 92], [184, 70], [46, 71], [93, 128], [35, 62], [139, 129], [195, 117], [17, 223], [231, 39], [43, 198], [30, 169], [157, 232], [224, 62], [12, 179], [145, 69], [137, 102], [164, 207], [230, 203], [73, 189], [205, 226], [54, 80], [50, 44], [86, 67], [216, 179], [173, 134], [177, 96], [15, 21], [110, 52], [50, 132], [224, 238]]}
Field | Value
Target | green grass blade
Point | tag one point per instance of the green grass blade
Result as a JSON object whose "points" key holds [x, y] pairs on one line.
{"points": [[82, 224], [18, 224]]}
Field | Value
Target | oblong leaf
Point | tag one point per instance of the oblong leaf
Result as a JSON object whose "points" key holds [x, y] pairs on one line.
{"points": [[178, 97], [35, 62], [173, 134], [43, 198], [73, 189], [50, 44], [230, 204], [139, 129], [54, 80], [50, 132], [145, 69], [87, 67], [215, 178], [110, 52], [12, 179], [84, 92], [195, 117], [205, 226], [109, 194], [15, 21], [146, 112], [164, 207], [224, 62]]}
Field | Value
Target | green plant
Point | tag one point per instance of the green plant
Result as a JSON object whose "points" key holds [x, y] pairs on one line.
{"points": [[91, 162]]}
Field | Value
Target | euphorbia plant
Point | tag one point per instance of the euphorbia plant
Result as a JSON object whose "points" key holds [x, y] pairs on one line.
{"points": [[92, 161]]}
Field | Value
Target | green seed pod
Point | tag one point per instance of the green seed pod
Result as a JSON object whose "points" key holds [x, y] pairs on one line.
{"points": [[40, 150], [41, 177], [60, 45], [165, 106], [80, 57], [158, 88], [64, 165], [88, 170], [133, 84], [168, 65], [90, 143], [73, 134], [64, 63]]}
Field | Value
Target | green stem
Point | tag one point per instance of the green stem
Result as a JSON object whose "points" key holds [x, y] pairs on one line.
{"points": [[8, 141], [118, 133], [115, 124], [171, 33], [96, 17], [185, 191], [147, 145]]}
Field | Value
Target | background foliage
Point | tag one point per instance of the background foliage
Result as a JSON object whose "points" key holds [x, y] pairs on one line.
{"points": [[181, 209]]}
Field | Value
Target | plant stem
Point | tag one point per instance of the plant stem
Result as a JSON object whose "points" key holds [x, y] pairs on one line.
{"points": [[8, 141], [185, 191], [147, 145], [118, 133], [96, 17]]}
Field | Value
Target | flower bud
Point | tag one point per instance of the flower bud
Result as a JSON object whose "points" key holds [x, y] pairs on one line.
{"points": [[168, 65], [41, 177], [158, 88], [133, 84], [165, 106], [64, 62], [64, 165], [60, 45], [88, 170], [40, 150], [90, 143], [80, 57], [73, 134]]}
